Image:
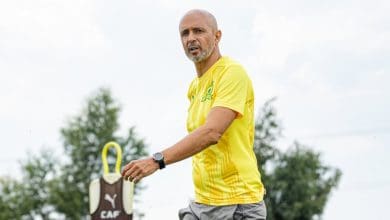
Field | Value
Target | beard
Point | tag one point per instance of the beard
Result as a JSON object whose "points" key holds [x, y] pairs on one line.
{"points": [[201, 56]]}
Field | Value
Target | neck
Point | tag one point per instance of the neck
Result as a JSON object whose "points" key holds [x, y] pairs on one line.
{"points": [[203, 66]]}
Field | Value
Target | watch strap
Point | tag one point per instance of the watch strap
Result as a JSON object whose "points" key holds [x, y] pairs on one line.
{"points": [[161, 163], [159, 158]]}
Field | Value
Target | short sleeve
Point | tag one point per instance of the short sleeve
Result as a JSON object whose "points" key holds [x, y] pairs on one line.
{"points": [[232, 89]]}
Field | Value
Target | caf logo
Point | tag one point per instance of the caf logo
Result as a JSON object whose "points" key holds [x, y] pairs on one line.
{"points": [[110, 214]]}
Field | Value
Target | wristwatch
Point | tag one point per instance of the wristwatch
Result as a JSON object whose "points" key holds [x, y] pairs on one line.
{"points": [[159, 158]]}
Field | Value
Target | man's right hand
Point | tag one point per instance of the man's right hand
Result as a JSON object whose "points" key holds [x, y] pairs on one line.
{"points": [[138, 169]]}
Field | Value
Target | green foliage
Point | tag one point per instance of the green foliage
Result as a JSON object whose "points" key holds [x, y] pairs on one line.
{"points": [[267, 131], [49, 188], [297, 183], [10, 199], [38, 171], [301, 184], [29, 198]]}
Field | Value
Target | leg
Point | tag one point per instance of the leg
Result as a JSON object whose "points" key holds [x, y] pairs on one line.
{"points": [[187, 214], [255, 211], [196, 211], [210, 212]]}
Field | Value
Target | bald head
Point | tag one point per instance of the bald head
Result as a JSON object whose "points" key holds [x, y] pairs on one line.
{"points": [[204, 16]]}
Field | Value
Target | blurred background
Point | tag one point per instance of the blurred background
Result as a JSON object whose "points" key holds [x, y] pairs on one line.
{"points": [[76, 74]]}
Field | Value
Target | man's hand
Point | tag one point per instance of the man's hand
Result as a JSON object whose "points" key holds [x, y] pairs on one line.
{"points": [[138, 169]]}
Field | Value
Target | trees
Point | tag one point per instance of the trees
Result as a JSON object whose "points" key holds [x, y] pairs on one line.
{"points": [[10, 199], [297, 183], [51, 189]]}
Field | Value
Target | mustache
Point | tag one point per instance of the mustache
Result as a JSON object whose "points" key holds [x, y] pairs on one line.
{"points": [[193, 45]]}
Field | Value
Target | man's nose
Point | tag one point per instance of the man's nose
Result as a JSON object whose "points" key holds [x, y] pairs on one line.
{"points": [[191, 37]]}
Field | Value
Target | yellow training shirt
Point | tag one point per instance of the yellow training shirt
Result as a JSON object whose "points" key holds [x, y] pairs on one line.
{"points": [[225, 173]]}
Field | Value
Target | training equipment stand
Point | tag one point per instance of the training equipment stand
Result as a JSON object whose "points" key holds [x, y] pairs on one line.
{"points": [[111, 197]]}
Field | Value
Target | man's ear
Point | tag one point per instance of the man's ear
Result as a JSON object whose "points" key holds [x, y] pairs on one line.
{"points": [[218, 35]]}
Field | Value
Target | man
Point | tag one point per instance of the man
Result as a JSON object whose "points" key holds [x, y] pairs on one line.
{"points": [[221, 131]]}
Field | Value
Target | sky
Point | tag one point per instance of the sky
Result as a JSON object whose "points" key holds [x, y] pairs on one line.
{"points": [[327, 62]]}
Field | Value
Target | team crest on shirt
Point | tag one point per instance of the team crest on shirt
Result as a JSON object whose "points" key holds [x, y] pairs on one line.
{"points": [[209, 92]]}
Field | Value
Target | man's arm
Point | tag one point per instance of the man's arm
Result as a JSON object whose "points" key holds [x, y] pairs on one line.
{"points": [[218, 120]]}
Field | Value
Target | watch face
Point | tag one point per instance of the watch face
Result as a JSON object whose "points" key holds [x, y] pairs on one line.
{"points": [[158, 156]]}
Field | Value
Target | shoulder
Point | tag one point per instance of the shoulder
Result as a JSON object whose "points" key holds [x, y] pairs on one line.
{"points": [[233, 70]]}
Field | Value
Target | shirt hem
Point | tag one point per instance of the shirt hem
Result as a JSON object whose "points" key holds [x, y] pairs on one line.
{"points": [[230, 202]]}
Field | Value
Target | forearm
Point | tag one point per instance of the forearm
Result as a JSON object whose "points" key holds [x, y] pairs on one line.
{"points": [[217, 122], [191, 144]]}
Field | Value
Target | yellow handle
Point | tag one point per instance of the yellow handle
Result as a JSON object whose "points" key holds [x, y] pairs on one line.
{"points": [[118, 157]]}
